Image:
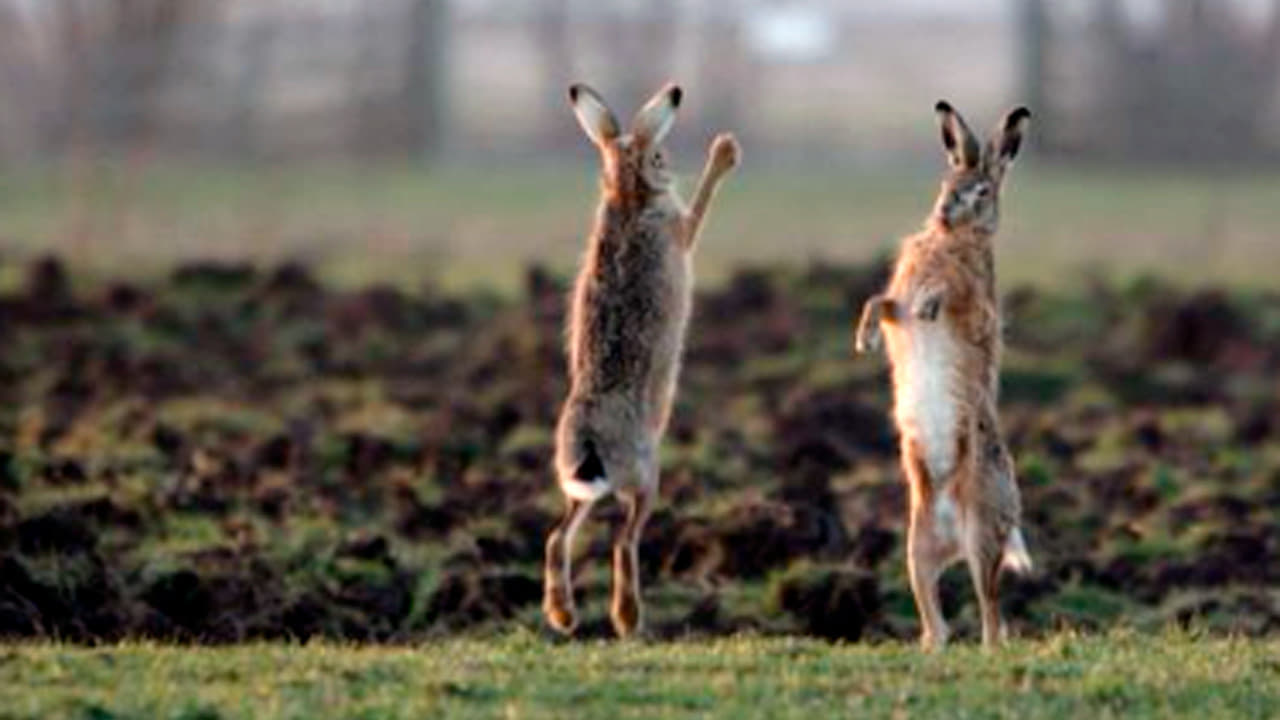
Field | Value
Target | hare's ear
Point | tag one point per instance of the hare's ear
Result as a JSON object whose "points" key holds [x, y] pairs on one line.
{"points": [[654, 120], [963, 150], [595, 117], [1008, 138]]}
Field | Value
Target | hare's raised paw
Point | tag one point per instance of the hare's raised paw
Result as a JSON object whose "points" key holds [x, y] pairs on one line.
{"points": [[725, 151]]}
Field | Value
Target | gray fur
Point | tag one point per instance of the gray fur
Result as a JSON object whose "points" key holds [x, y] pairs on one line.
{"points": [[626, 330], [630, 309]]}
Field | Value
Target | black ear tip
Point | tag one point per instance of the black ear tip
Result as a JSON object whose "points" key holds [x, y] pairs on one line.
{"points": [[574, 89], [676, 94], [943, 106], [1019, 114]]}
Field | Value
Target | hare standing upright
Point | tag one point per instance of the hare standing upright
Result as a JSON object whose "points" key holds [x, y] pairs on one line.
{"points": [[626, 332], [940, 321]]}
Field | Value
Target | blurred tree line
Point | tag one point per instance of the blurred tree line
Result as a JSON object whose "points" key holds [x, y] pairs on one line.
{"points": [[220, 77], [1197, 82], [1185, 80]]}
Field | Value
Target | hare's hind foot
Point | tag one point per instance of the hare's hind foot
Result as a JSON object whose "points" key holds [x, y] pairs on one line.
{"points": [[557, 607], [625, 615], [557, 598]]}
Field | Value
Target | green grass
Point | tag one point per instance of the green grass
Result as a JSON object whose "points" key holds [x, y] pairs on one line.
{"points": [[1123, 675], [467, 227]]}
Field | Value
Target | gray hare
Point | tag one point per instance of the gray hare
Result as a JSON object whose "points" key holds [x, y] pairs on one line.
{"points": [[626, 331], [940, 322]]}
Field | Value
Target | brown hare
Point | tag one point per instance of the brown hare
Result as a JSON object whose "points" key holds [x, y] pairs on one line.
{"points": [[626, 330], [940, 324]]}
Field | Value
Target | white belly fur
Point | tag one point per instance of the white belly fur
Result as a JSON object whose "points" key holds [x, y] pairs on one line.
{"points": [[925, 405]]}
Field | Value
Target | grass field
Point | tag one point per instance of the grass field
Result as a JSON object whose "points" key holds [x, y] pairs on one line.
{"points": [[242, 451], [1123, 675], [466, 227]]}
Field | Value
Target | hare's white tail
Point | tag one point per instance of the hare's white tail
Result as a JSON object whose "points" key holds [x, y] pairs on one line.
{"points": [[586, 490], [1016, 557], [588, 482]]}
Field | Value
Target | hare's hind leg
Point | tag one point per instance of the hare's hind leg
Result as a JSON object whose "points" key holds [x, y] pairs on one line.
{"points": [[983, 539], [924, 569], [983, 558], [986, 539], [557, 600], [994, 519], [625, 609], [925, 554]]}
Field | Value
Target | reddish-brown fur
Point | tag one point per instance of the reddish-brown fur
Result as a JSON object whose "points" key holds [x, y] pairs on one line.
{"points": [[940, 322]]}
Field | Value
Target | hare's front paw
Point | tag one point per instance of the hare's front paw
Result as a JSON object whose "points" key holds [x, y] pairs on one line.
{"points": [[866, 339], [725, 151]]}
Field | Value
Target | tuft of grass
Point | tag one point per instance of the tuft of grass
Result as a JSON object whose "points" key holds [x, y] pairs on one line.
{"points": [[1125, 674]]}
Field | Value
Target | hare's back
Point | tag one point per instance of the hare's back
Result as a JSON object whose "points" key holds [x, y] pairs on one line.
{"points": [[633, 308]]}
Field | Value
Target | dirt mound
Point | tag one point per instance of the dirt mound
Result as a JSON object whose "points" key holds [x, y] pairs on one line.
{"points": [[832, 604], [237, 452]]}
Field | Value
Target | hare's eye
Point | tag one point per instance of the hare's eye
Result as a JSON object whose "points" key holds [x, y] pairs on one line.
{"points": [[982, 191], [657, 161]]}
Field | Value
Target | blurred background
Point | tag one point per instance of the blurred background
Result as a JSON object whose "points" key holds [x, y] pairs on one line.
{"points": [[426, 137], [282, 287]]}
